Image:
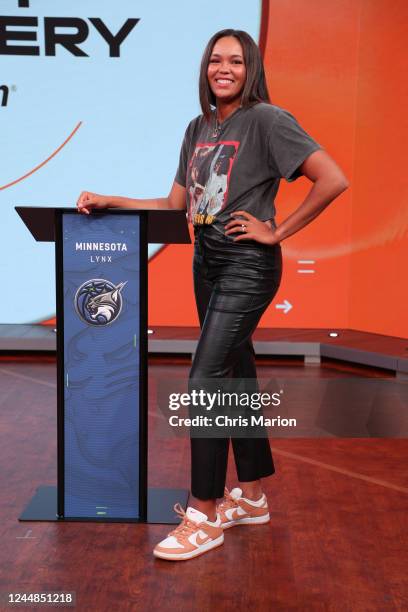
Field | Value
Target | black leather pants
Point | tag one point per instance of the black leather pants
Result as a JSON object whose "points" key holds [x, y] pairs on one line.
{"points": [[234, 283]]}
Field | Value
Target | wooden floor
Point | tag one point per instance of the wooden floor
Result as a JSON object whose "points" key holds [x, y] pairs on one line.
{"points": [[337, 540]]}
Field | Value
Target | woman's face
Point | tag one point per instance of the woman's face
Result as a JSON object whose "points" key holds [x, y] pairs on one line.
{"points": [[226, 71]]}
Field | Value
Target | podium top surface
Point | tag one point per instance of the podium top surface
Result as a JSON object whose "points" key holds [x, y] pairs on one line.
{"points": [[163, 226]]}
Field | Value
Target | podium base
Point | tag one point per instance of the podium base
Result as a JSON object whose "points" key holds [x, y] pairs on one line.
{"points": [[160, 502]]}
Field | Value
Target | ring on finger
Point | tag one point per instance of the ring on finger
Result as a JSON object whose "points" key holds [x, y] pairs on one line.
{"points": [[243, 227]]}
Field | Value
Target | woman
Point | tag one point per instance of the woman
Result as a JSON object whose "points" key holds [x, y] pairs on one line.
{"points": [[237, 260]]}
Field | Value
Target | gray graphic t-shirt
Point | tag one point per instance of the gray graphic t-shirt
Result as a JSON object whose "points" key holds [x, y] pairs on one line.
{"points": [[239, 167]]}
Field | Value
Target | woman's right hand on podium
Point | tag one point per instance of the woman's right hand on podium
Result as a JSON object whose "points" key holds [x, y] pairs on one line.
{"points": [[88, 200]]}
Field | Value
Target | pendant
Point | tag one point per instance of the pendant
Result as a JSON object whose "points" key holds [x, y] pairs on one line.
{"points": [[216, 131]]}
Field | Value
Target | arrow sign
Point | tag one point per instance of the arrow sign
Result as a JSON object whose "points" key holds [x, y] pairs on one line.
{"points": [[286, 306]]}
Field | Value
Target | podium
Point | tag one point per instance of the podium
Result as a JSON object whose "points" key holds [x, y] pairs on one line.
{"points": [[101, 307]]}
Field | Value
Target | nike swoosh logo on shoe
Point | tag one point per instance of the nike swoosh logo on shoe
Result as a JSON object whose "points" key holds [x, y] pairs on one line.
{"points": [[235, 516], [201, 540]]}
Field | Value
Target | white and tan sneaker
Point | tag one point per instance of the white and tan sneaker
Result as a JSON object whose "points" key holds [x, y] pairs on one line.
{"points": [[237, 510], [194, 536]]}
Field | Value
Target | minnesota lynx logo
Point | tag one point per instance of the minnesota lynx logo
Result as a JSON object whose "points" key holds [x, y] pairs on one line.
{"points": [[98, 301]]}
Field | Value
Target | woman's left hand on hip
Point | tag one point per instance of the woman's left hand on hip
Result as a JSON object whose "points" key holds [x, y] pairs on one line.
{"points": [[248, 227]]}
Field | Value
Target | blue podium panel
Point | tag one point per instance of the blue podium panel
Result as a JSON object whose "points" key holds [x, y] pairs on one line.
{"points": [[102, 265]]}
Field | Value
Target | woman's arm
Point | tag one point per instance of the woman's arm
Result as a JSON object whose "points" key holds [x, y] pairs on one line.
{"points": [[175, 200], [328, 183]]}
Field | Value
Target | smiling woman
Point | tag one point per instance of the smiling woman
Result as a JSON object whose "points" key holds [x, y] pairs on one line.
{"points": [[226, 72], [44, 107], [232, 159], [231, 68]]}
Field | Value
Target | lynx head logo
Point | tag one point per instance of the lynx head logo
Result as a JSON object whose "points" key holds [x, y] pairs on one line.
{"points": [[98, 301]]}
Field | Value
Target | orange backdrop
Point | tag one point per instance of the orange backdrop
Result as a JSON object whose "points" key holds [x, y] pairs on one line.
{"points": [[340, 67]]}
